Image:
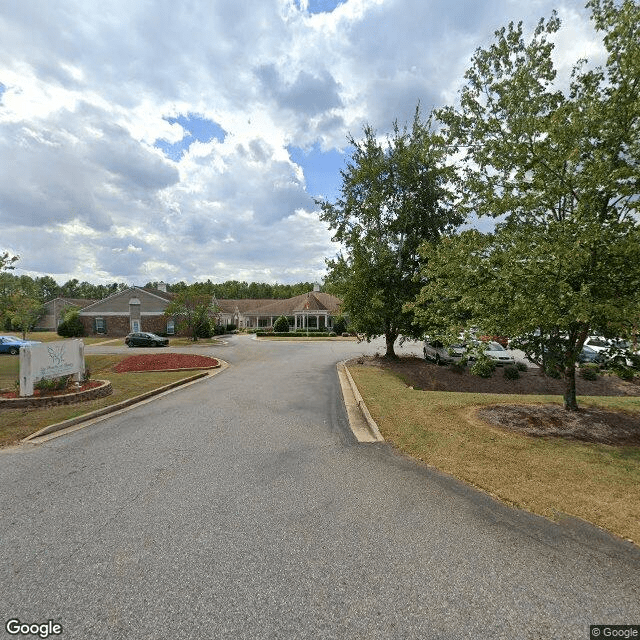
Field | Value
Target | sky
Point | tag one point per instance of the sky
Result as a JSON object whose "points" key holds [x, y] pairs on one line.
{"points": [[146, 140]]}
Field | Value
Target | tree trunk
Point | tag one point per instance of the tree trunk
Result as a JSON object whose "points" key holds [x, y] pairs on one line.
{"points": [[570, 401], [390, 338]]}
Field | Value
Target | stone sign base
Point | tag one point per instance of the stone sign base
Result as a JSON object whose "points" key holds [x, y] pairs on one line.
{"points": [[105, 389]]}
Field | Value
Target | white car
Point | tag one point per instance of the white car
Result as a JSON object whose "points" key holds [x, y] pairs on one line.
{"points": [[597, 344], [496, 352], [440, 354]]}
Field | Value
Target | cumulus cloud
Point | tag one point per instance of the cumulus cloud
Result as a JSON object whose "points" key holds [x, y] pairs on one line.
{"points": [[155, 141]]}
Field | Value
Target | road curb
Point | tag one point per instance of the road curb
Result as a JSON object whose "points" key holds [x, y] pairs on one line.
{"points": [[94, 416], [362, 425]]}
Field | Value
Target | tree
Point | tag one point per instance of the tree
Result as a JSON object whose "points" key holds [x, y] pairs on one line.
{"points": [[393, 198], [281, 325], [71, 325], [7, 260], [561, 169], [192, 311], [24, 311]]}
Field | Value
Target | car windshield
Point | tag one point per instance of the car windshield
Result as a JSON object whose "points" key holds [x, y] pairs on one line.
{"points": [[496, 346], [586, 349], [597, 342]]}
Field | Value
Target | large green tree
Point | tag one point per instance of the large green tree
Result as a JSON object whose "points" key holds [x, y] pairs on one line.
{"points": [[561, 169], [393, 197], [192, 310]]}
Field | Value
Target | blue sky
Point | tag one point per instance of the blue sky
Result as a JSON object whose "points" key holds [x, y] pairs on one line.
{"points": [[188, 141]]}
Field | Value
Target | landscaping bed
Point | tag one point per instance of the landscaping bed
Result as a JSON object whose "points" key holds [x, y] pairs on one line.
{"points": [[165, 362], [524, 449], [589, 424]]}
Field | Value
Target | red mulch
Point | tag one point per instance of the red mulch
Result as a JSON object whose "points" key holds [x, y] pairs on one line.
{"points": [[91, 384], [164, 361]]}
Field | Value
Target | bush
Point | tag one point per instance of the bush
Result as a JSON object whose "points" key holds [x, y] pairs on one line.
{"points": [[483, 367], [340, 324], [231, 328], [623, 372], [54, 384], [71, 326], [552, 372], [511, 373], [218, 330], [589, 371], [332, 334], [203, 329], [281, 325], [521, 366]]}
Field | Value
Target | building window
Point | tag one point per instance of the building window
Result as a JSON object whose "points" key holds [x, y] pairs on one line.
{"points": [[100, 325], [171, 327]]}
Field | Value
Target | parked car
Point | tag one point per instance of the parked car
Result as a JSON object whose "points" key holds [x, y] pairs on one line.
{"points": [[144, 339], [496, 352], [589, 355], [501, 340], [11, 344], [439, 353]]}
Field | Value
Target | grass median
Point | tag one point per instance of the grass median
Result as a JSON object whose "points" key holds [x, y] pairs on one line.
{"points": [[16, 424], [547, 476]]}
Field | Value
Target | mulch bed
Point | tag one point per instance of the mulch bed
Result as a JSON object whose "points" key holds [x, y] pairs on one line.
{"points": [[587, 424], [37, 393], [165, 362]]}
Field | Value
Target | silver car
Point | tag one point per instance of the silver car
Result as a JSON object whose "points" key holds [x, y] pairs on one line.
{"points": [[440, 354]]}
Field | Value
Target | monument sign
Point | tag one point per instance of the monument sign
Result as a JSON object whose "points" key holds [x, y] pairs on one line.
{"points": [[48, 360]]}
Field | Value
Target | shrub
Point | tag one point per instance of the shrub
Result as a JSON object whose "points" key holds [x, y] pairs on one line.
{"points": [[203, 329], [521, 366], [340, 324], [231, 328], [54, 384], [332, 334], [589, 371], [511, 373], [483, 367], [552, 372], [281, 324], [71, 326], [623, 372]]}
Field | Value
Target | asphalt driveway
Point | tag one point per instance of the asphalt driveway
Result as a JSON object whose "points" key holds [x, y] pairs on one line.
{"points": [[242, 507]]}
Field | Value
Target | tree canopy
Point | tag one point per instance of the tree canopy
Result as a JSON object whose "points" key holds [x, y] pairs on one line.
{"points": [[393, 197], [560, 169]]}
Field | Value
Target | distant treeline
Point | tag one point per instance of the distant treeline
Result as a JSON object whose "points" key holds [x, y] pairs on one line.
{"points": [[235, 290], [46, 288]]}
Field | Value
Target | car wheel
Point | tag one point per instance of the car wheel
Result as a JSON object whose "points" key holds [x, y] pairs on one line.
{"points": [[14, 351], [130, 344], [438, 360]]}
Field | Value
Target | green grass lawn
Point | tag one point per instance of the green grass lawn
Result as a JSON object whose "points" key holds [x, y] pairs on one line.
{"points": [[16, 424], [598, 483]]}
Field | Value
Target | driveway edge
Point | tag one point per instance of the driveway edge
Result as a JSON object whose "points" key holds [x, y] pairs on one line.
{"points": [[125, 404], [362, 425]]}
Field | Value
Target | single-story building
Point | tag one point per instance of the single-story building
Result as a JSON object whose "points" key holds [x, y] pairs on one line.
{"points": [[142, 309], [313, 310], [54, 311], [134, 309]]}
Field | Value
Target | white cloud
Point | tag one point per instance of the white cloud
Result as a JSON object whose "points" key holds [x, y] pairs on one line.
{"points": [[88, 88]]}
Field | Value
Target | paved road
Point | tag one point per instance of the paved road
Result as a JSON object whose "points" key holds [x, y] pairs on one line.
{"points": [[241, 507]]}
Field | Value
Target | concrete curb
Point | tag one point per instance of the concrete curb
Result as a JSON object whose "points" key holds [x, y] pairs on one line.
{"points": [[94, 416], [362, 425]]}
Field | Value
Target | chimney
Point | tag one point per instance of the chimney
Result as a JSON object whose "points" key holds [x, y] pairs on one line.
{"points": [[162, 286], [316, 287]]}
